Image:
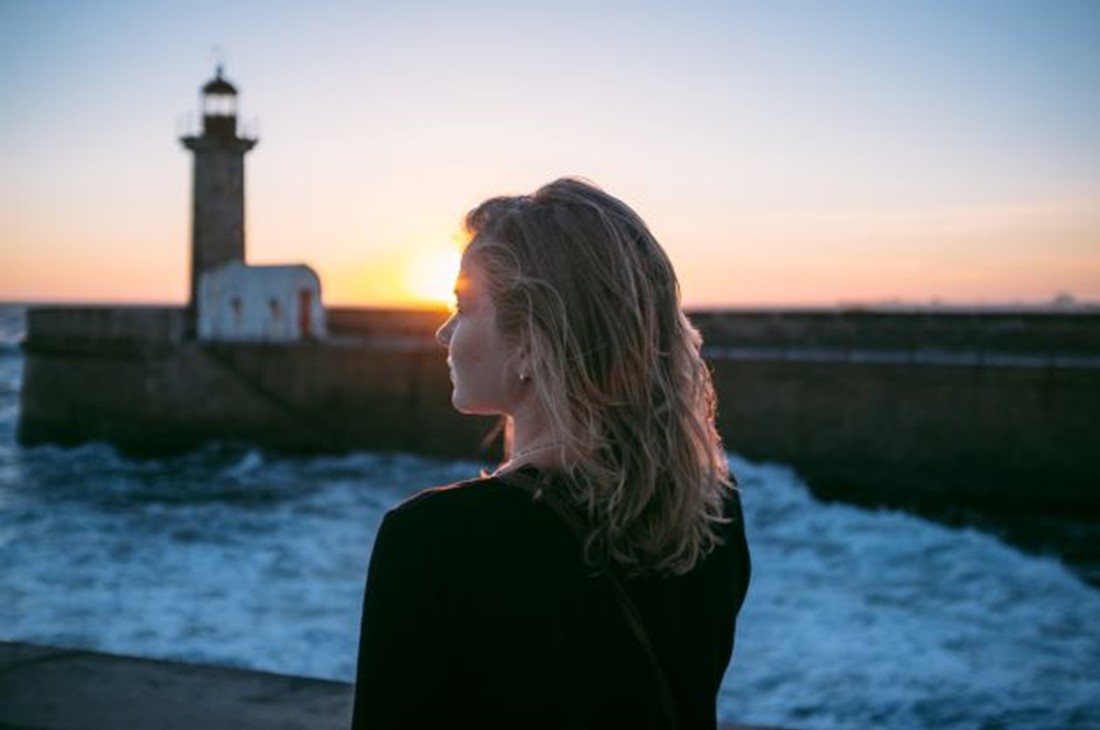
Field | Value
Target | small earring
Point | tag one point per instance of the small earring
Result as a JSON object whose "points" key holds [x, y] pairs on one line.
{"points": [[524, 377]]}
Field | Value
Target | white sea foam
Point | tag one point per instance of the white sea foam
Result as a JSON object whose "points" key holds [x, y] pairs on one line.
{"points": [[860, 618], [855, 618]]}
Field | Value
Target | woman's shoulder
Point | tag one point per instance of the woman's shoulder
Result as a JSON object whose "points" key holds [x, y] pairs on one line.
{"points": [[731, 507], [470, 491], [479, 526], [486, 501]]}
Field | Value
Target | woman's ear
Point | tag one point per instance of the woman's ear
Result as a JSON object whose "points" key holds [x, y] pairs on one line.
{"points": [[523, 362]]}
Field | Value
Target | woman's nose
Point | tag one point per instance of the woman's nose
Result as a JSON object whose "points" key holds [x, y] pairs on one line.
{"points": [[443, 334]]}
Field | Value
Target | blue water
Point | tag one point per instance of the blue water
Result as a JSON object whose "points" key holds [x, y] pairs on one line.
{"points": [[855, 618]]}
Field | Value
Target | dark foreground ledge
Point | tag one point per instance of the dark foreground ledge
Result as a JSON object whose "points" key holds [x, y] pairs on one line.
{"points": [[47, 688]]}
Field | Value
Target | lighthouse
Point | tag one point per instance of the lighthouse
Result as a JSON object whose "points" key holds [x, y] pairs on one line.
{"points": [[217, 197], [231, 301]]}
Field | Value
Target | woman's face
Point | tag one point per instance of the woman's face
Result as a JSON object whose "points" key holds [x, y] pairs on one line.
{"points": [[483, 365]]}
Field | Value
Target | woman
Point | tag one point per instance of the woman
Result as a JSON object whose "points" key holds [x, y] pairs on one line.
{"points": [[594, 579]]}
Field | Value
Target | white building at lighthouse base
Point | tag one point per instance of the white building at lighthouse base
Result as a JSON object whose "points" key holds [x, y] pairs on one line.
{"points": [[242, 303]]}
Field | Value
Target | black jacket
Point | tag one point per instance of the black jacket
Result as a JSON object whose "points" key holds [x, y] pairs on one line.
{"points": [[479, 613]]}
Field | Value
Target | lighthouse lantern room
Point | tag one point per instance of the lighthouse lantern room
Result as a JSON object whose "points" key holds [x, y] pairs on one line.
{"points": [[219, 107]]}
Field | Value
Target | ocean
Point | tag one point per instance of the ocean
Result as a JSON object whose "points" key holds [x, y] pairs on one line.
{"points": [[232, 556]]}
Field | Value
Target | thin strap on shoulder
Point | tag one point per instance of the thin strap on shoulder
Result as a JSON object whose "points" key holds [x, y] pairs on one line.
{"points": [[553, 499]]}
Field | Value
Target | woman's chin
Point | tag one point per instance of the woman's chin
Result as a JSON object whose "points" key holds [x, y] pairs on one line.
{"points": [[467, 408], [461, 405]]}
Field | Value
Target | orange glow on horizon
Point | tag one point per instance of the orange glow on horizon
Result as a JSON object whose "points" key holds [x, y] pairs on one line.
{"points": [[419, 277], [430, 277], [954, 255]]}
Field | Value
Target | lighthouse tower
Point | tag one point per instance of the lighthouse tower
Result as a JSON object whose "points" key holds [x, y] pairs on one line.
{"points": [[217, 209]]}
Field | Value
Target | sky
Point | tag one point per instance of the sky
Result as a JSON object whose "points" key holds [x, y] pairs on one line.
{"points": [[785, 153]]}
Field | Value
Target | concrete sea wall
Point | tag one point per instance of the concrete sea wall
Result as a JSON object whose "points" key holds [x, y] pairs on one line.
{"points": [[149, 394], [996, 411]]}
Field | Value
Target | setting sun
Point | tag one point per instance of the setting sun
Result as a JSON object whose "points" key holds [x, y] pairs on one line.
{"points": [[430, 276]]}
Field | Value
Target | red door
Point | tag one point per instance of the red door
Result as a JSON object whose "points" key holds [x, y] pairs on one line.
{"points": [[305, 308]]}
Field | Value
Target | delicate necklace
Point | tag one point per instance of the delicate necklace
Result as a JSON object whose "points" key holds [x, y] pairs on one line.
{"points": [[535, 449], [527, 452]]}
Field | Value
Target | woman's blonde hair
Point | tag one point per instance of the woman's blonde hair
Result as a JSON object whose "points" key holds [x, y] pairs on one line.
{"points": [[593, 300]]}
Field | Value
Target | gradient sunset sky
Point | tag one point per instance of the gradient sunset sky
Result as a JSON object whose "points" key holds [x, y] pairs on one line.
{"points": [[785, 153]]}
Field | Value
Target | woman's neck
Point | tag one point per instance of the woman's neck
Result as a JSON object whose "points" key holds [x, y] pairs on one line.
{"points": [[533, 442]]}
